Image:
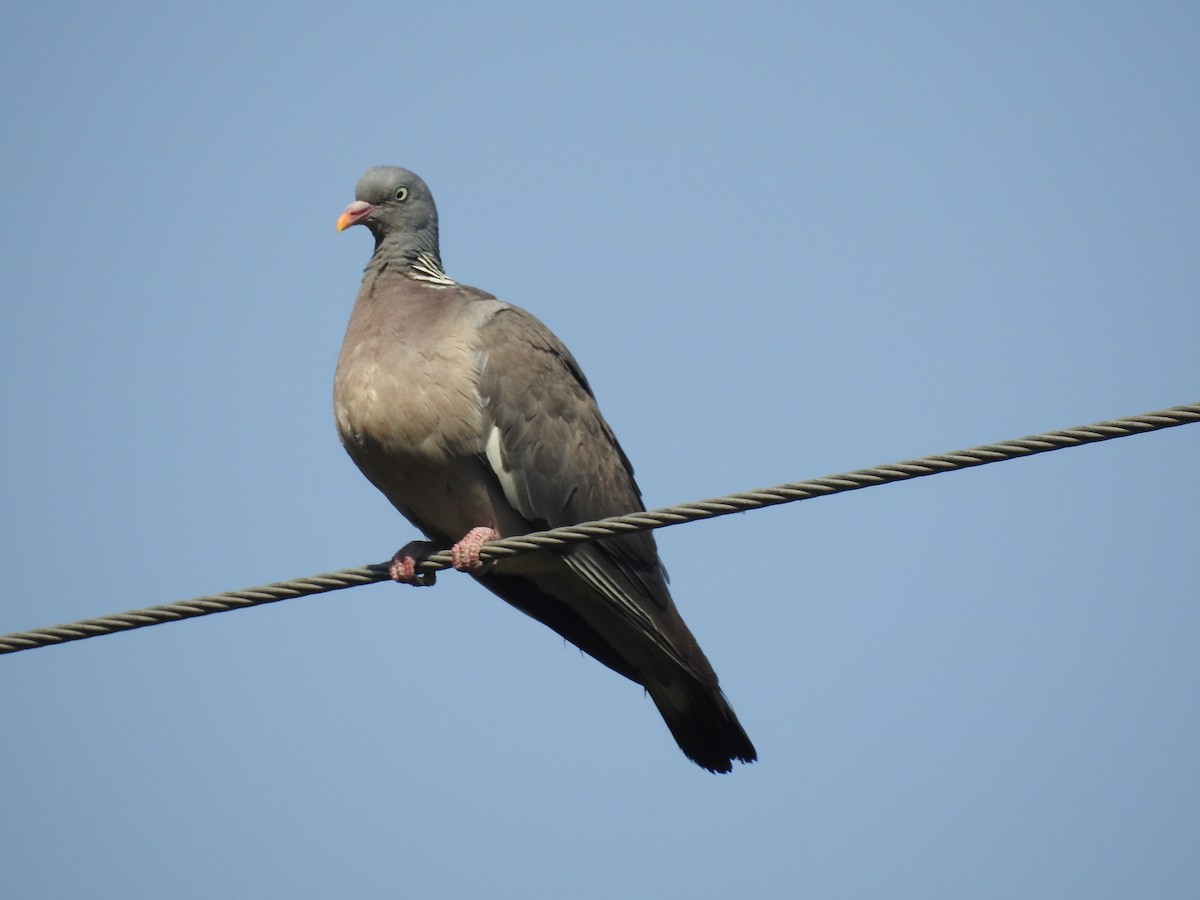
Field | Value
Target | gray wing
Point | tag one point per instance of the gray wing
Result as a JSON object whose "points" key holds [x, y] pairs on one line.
{"points": [[558, 463], [556, 458]]}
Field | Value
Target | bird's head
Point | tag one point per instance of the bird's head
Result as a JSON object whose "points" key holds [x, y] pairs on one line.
{"points": [[393, 203]]}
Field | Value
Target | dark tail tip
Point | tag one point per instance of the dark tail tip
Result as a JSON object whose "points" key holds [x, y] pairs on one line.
{"points": [[704, 725]]}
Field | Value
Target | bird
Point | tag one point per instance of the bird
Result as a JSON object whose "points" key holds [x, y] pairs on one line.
{"points": [[476, 422]]}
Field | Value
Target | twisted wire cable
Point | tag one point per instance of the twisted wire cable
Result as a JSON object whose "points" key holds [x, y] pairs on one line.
{"points": [[616, 525]]}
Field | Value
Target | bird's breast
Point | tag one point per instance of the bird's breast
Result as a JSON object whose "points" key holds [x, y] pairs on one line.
{"points": [[406, 399], [407, 407]]}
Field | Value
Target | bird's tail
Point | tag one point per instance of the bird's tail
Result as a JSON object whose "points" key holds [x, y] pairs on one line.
{"points": [[703, 724]]}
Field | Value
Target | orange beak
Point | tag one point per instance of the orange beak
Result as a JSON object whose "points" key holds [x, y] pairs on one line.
{"points": [[355, 213]]}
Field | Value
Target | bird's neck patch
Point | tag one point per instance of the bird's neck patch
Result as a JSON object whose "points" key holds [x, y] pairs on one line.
{"points": [[428, 268]]}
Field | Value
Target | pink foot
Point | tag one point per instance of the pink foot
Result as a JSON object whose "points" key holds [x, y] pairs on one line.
{"points": [[465, 554], [405, 561]]}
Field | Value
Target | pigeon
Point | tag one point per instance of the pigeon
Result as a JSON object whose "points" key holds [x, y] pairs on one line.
{"points": [[476, 422]]}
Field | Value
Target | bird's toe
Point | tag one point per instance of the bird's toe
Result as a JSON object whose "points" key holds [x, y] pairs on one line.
{"points": [[465, 554], [403, 568]]}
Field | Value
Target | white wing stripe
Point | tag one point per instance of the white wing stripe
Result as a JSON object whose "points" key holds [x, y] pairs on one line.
{"points": [[495, 458]]}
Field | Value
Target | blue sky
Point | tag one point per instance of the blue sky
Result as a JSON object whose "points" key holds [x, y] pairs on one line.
{"points": [[783, 240]]}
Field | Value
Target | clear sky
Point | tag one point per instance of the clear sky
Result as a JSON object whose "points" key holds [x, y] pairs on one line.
{"points": [[784, 240]]}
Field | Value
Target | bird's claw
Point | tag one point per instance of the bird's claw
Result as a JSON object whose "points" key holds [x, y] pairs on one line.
{"points": [[465, 554], [403, 568]]}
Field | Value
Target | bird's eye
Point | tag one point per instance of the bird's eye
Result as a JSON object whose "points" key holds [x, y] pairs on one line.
{"points": [[401, 194]]}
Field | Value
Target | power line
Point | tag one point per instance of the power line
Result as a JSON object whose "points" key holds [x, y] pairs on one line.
{"points": [[641, 521]]}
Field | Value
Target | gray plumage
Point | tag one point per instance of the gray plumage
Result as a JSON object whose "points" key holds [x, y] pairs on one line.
{"points": [[466, 411]]}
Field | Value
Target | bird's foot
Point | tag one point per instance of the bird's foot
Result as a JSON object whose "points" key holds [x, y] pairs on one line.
{"points": [[405, 561], [465, 554]]}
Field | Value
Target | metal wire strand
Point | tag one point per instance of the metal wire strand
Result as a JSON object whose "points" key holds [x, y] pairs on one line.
{"points": [[615, 525]]}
